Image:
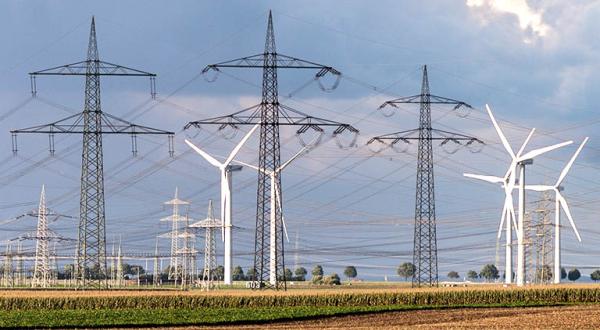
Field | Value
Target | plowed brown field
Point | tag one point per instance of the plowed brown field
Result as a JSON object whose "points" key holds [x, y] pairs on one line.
{"points": [[568, 317]]}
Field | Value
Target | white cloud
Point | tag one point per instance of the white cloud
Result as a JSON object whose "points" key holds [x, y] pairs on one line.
{"points": [[530, 20]]}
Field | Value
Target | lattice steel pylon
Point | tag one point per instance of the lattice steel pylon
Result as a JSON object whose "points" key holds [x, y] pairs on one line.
{"points": [[425, 237], [157, 271], [92, 123], [210, 256], [119, 274], [176, 259], [543, 246], [7, 269], [42, 271], [271, 114]]}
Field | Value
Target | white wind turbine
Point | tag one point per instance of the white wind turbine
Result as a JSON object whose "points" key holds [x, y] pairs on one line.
{"points": [[275, 204], [509, 181], [226, 199], [560, 202]]}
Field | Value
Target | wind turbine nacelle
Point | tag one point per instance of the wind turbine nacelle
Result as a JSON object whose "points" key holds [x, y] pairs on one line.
{"points": [[560, 188], [526, 162], [234, 168]]}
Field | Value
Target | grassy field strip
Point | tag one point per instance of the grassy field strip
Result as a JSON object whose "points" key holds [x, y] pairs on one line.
{"points": [[205, 316]]}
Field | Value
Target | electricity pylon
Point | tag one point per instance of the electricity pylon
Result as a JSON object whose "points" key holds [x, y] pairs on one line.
{"points": [[92, 123], [157, 271], [210, 224], [188, 253], [119, 274], [7, 271], [425, 238], [41, 273], [271, 114], [176, 262], [543, 245]]}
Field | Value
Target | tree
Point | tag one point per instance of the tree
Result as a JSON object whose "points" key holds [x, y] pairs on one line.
{"points": [[317, 271], [251, 274], [489, 272], [350, 272], [287, 273], [453, 275], [332, 279], [563, 273], [300, 273], [574, 274], [472, 275], [219, 273], [544, 274], [595, 276], [238, 274], [406, 270], [317, 274]]}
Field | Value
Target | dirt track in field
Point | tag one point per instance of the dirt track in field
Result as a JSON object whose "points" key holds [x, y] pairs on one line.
{"points": [[571, 317]]}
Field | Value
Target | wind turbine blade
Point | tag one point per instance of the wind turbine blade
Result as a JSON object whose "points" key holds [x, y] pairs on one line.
{"points": [[284, 165], [570, 163], [565, 206], [538, 187], [278, 198], [206, 156], [247, 165], [502, 221], [536, 152], [500, 133], [239, 146], [224, 201], [514, 218], [526, 141], [488, 178]]}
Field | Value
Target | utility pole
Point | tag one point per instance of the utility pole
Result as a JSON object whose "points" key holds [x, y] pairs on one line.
{"points": [[271, 114], [425, 238], [92, 124]]}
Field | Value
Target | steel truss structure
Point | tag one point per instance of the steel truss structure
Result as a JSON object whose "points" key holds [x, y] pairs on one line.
{"points": [[425, 238], [271, 114], [92, 124]]}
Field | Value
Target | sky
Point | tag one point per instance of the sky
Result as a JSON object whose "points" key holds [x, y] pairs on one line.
{"points": [[531, 61]]}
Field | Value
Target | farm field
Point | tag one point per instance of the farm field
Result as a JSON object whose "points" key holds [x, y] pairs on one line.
{"points": [[313, 307], [563, 317]]}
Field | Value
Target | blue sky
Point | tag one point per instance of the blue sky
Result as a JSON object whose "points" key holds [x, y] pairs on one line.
{"points": [[530, 60]]}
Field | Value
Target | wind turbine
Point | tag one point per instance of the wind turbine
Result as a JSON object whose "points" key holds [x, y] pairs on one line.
{"points": [[275, 206], [226, 199], [560, 202], [509, 180]]}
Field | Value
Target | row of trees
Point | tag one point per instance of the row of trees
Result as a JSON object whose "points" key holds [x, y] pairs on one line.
{"points": [[489, 272]]}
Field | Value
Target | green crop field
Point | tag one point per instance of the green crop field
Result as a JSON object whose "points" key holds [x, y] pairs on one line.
{"points": [[35, 309]]}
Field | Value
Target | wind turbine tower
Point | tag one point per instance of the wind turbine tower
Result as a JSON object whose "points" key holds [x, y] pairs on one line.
{"points": [[275, 208], [509, 181], [226, 195], [560, 203]]}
